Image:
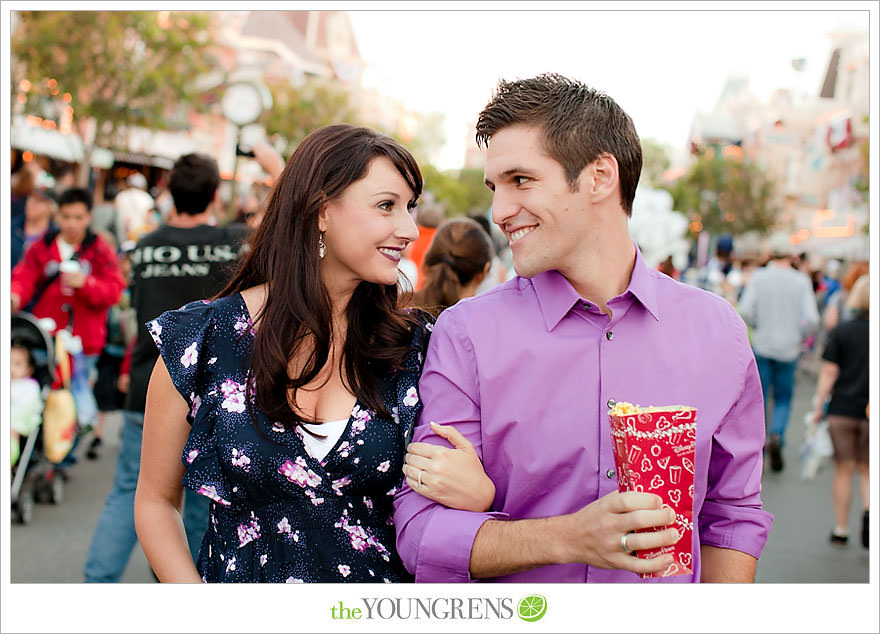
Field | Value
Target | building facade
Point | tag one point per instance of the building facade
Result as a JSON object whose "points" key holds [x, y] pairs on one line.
{"points": [[814, 147]]}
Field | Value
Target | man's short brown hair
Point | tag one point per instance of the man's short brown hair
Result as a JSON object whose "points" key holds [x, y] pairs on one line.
{"points": [[579, 124]]}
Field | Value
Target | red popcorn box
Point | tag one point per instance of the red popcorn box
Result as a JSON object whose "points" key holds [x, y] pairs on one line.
{"points": [[654, 453]]}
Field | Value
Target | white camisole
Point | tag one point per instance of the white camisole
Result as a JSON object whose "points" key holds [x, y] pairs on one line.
{"points": [[318, 448]]}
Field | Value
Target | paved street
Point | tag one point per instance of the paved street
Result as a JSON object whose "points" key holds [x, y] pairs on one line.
{"points": [[52, 548]]}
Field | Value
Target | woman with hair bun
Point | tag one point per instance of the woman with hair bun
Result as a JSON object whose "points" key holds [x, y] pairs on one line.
{"points": [[455, 264]]}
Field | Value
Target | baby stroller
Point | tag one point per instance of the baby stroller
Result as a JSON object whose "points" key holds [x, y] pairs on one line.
{"points": [[35, 478]]}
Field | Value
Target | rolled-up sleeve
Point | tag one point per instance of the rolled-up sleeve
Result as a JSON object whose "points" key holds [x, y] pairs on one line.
{"points": [[731, 515], [434, 542]]}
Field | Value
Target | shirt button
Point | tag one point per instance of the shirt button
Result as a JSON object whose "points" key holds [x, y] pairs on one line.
{"points": [[586, 305], [611, 403], [609, 335], [609, 474]]}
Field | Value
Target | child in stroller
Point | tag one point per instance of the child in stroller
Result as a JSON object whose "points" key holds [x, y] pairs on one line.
{"points": [[32, 364], [25, 396]]}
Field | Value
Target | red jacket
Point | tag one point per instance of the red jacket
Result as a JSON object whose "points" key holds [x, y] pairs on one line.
{"points": [[102, 289]]}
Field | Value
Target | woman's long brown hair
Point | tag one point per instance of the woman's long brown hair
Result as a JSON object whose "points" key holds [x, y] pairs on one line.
{"points": [[297, 314]]}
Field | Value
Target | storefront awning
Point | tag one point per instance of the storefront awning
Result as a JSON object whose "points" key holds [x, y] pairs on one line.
{"points": [[46, 141], [143, 159]]}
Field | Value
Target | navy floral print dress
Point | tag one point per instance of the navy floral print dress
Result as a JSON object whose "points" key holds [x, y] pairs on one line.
{"points": [[277, 514]]}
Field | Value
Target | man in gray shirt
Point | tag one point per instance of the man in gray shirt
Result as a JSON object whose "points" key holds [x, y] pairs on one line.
{"points": [[778, 303]]}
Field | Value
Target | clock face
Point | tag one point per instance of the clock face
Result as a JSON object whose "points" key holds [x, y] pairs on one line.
{"points": [[242, 104]]}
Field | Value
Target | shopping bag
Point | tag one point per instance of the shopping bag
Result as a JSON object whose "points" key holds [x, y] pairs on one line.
{"points": [[80, 388], [59, 424], [817, 448], [59, 413]]}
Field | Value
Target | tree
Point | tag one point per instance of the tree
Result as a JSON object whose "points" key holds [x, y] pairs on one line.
{"points": [[117, 68], [462, 193], [425, 136], [299, 110], [655, 162], [862, 181], [479, 197], [725, 194]]}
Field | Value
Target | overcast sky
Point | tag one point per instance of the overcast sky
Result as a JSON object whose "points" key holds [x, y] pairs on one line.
{"points": [[661, 66]]}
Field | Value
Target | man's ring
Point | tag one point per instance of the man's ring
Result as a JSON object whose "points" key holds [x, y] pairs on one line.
{"points": [[419, 483], [623, 543]]}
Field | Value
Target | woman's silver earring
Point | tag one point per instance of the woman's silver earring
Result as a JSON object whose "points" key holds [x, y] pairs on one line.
{"points": [[322, 248]]}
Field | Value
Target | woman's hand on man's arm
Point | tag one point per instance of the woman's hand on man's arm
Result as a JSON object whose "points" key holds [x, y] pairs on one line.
{"points": [[453, 476]]}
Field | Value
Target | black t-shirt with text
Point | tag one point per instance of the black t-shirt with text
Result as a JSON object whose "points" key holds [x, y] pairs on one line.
{"points": [[848, 347], [170, 267]]}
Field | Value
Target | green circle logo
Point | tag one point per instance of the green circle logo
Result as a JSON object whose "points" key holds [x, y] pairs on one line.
{"points": [[532, 608]]}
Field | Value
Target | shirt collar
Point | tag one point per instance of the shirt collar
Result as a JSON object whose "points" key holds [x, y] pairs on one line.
{"points": [[643, 285], [556, 295]]}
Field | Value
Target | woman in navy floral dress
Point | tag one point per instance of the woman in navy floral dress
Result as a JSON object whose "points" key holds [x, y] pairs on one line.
{"points": [[289, 399]]}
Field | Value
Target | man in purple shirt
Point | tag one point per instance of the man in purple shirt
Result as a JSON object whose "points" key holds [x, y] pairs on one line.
{"points": [[527, 372]]}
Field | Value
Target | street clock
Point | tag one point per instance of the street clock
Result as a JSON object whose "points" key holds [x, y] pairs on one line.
{"points": [[242, 103]]}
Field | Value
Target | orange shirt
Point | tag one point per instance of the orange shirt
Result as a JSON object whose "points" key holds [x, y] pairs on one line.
{"points": [[418, 249]]}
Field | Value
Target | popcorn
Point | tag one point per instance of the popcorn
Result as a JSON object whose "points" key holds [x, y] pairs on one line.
{"points": [[654, 452], [624, 409]]}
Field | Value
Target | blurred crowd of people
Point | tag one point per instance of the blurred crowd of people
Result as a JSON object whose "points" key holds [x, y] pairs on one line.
{"points": [[71, 249]]}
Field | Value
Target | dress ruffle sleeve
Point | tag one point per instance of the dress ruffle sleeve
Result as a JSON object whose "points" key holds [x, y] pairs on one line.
{"points": [[180, 335]]}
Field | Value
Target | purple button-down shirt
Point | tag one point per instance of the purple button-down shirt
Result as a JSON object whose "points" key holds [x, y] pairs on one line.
{"points": [[527, 371]]}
